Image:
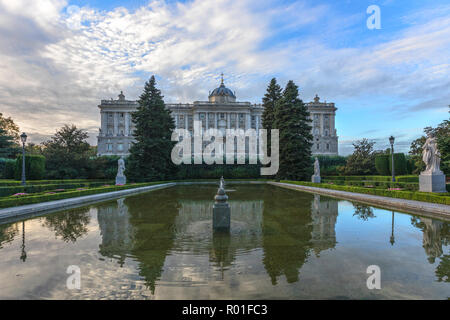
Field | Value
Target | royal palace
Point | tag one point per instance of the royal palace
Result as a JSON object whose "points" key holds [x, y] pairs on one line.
{"points": [[221, 111]]}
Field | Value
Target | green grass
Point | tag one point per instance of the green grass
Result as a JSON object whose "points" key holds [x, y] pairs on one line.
{"points": [[441, 198]]}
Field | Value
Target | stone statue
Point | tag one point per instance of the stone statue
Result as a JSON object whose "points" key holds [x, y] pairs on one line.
{"points": [[316, 176], [431, 155], [120, 177], [316, 167], [432, 179]]}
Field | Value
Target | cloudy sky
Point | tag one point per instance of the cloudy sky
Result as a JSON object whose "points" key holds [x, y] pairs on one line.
{"points": [[59, 58]]}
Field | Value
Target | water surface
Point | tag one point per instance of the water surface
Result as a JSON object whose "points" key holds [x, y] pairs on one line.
{"points": [[283, 244]]}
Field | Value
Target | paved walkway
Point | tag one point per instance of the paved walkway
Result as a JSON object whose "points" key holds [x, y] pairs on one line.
{"points": [[412, 206]]}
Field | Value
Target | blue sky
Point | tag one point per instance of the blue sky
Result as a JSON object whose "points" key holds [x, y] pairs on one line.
{"points": [[60, 58]]}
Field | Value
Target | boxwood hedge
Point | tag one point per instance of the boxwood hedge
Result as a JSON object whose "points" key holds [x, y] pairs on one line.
{"points": [[441, 198]]}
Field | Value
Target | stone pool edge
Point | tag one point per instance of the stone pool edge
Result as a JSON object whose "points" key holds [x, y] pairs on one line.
{"points": [[413, 206], [36, 208]]}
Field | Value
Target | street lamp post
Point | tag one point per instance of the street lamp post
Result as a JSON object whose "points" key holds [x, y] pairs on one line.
{"points": [[23, 138], [391, 140]]}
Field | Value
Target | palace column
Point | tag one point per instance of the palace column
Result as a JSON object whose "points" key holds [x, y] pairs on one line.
{"points": [[228, 120], [215, 120], [186, 121], [322, 126], [127, 124], [332, 128], [116, 124], [104, 119], [207, 120], [248, 122]]}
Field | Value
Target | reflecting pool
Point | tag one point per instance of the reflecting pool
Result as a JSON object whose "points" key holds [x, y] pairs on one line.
{"points": [[283, 244]]}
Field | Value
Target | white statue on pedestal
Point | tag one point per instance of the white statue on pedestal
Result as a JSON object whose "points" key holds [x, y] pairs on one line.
{"points": [[316, 167], [432, 179], [316, 176], [120, 177], [431, 156]]}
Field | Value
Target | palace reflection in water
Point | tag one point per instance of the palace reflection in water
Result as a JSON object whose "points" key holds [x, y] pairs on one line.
{"points": [[169, 230]]}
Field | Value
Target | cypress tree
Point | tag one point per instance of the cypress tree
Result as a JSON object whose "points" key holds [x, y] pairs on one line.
{"points": [[270, 99], [273, 94], [149, 158], [292, 119]]}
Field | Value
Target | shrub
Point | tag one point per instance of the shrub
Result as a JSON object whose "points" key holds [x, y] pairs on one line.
{"points": [[382, 164], [399, 164], [7, 168], [33, 188], [34, 167], [408, 195]]}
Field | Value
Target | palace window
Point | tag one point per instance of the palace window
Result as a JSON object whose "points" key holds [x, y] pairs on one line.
{"points": [[328, 146], [109, 147], [253, 122], [120, 147], [318, 146], [233, 120], [181, 123]]}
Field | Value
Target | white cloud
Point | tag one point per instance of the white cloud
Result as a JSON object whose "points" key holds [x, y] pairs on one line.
{"points": [[53, 73]]}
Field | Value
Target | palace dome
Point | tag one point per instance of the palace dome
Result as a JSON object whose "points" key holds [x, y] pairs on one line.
{"points": [[222, 91], [222, 94]]}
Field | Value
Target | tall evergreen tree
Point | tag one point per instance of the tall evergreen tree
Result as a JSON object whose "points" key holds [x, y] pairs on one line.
{"points": [[272, 96], [150, 155], [292, 119], [7, 146]]}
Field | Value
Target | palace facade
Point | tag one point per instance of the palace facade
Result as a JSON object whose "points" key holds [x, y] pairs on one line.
{"points": [[221, 111]]}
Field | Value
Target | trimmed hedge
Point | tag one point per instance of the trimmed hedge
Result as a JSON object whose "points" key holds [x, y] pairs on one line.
{"points": [[7, 168], [407, 178], [382, 164], [5, 183], [442, 198], [399, 164], [411, 186], [13, 202], [34, 167], [35, 188]]}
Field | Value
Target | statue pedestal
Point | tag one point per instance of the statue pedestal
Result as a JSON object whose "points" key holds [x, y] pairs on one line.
{"points": [[432, 182], [221, 216], [315, 179], [121, 180]]}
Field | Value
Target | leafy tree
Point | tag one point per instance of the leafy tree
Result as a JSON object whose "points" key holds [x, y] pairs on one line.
{"points": [[292, 119], [10, 127], [7, 146], [33, 148], [362, 161], [272, 96], [67, 153], [150, 155], [442, 133]]}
